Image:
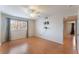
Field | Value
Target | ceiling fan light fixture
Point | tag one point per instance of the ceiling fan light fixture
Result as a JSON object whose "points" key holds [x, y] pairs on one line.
{"points": [[32, 15]]}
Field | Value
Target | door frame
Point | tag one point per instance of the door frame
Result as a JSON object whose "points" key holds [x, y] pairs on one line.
{"points": [[75, 19]]}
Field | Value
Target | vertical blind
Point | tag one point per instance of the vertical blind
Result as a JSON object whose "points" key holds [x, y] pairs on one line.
{"points": [[18, 29], [18, 25]]}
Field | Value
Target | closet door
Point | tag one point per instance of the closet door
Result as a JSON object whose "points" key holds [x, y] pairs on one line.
{"points": [[18, 29]]}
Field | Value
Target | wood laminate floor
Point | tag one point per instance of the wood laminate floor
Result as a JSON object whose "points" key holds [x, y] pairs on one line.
{"points": [[35, 45]]}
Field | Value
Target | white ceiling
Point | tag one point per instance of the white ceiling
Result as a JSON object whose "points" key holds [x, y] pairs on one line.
{"points": [[40, 10], [50, 9]]}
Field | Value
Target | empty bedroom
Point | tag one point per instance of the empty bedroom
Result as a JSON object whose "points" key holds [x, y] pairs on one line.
{"points": [[38, 29]]}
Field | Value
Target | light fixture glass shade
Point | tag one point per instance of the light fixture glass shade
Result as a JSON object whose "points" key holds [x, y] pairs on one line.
{"points": [[32, 15]]}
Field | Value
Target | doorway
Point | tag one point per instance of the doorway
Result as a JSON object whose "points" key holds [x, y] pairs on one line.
{"points": [[70, 42]]}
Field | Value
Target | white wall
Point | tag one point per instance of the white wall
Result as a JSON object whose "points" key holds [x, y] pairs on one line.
{"points": [[31, 28], [78, 32], [3, 28], [54, 31], [0, 28], [68, 29]]}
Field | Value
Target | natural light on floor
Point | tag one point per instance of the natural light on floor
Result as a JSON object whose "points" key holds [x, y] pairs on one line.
{"points": [[74, 43], [21, 49]]}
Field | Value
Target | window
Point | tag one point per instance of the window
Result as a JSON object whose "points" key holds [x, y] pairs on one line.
{"points": [[18, 25]]}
